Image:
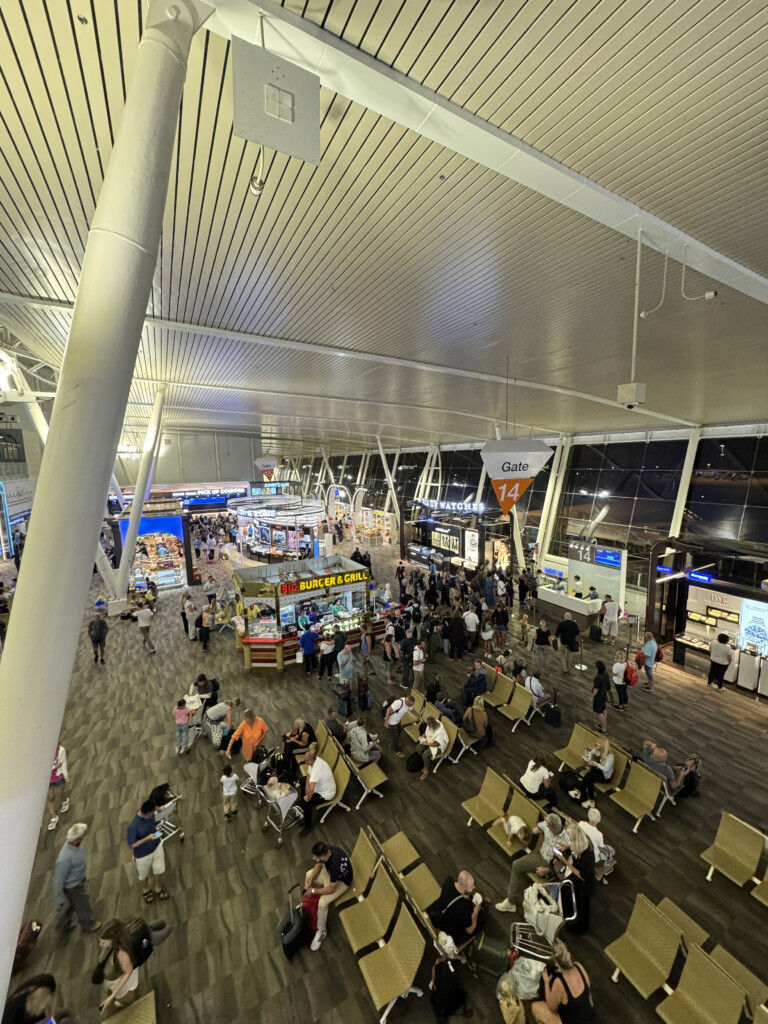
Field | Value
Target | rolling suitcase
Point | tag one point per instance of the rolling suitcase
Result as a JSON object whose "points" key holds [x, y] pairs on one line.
{"points": [[363, 694], [595, 634], [552, 714], [294, 927]]}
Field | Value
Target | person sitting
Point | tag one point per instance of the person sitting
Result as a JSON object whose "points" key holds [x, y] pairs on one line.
{"points": [[580, 862], [567, 993], [553, 835], [475, 722], [363, 748], [434, 742], [457, 911], [334, 726], [330, 877], [475, 686], [433, 689], [599, 764], [536, 780], [447, 708], [297, 738], [515, 828], [655, 757], [537, 691]]}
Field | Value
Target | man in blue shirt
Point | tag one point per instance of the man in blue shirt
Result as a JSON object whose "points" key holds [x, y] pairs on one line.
{"points": [[69, 884], [145, 842], [650, 650], [307, 642]]}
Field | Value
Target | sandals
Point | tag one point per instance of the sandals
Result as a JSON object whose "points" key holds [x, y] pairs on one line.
{"points": [[163, 894], [53, 823], [65, 806], [148, 896]]}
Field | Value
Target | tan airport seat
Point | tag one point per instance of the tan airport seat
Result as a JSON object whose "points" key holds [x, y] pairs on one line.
{"points": [[581, 739], [323, 739], [646, 951], [760, 892], [501, 693], [490, 801], [341, 777], [517, 709], [363, 860], [412, 729], [400, 852], [761, 1015], [756, 991], [419, 701], [620, 761], [368, 920], [370, 776], [640, 792], [693, 934], [704, 995], [422, 887], [389, 971], [736, 850], [140, 1012], [524, 808]]}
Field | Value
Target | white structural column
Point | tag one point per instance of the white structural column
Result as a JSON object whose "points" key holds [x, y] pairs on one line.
{"points": [[394, 470], [562, 469], [548, 496], [143, 486], [116, 488], [390, 481], [93, 388], [685, 483], [328, 466]]}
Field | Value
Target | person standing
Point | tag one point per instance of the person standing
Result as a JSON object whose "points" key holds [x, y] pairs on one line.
{"points": [[252, 730], [144, 616], [650, 653], [394, 715], [346, 663], [327, 657], [619, 673], [542, 645], [197, 547], [184, 620], [339, 642], [208, 618], [601, 684], [190, 609], [144, 841], [610, 613], [97, 631], [471, 625], [307, 642], [69, 884], [209, 589], [57, 787], [182, 715], [418, 659], [567, 631], [407, 648], [720, 657], [228, 782], [455, 631]]}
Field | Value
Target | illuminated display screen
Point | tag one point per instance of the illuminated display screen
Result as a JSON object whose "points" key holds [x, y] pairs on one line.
{"points": [[604, 556], [164, 526], [322, 582]]}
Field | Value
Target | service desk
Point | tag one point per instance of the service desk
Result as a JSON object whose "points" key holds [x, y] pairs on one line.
{"points": [[268, 652], [557, 603]]}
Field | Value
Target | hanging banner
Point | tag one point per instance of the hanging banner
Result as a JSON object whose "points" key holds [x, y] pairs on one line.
{"points": [[266, 464], [512, 463]]}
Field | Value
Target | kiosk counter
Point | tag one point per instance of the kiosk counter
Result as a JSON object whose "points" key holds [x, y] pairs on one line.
{"points": [[329, 591]]}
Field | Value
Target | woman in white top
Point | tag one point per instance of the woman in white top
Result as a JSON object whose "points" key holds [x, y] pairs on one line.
{"points": [[610, 613], [537, 780], [434, 742], [593, 833], [720, 657], [619, 680], [599, 764]]}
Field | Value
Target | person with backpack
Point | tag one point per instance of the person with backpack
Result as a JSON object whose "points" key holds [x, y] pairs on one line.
{"points": [[621, 680], [394, 714], [125, 946], [97, 632], [447, 994]]}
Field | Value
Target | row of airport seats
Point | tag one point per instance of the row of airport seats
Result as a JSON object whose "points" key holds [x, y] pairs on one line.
{"points": [[370, 776], [736, 853], [512, 700], [422, 709], [645, 792], [714, 988]]}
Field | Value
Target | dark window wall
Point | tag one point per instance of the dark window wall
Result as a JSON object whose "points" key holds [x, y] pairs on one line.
{"points": [[728, 496], [630, 488]]}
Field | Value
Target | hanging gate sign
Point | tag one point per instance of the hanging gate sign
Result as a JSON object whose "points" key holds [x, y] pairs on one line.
{"points": [[512, 463], [266, 464]]}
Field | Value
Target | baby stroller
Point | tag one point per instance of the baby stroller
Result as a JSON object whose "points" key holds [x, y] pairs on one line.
{"points": [[545, 913], [280, 798], [258, 771]]}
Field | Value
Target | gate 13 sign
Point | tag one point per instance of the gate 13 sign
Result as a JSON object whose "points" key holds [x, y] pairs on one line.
{"points": [[512, 463], [322, 582]]}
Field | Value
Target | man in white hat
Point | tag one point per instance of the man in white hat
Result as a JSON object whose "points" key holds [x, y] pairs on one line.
{"points": [[69, 884]]}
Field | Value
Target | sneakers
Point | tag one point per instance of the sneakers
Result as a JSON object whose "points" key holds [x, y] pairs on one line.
{"points": [[575, 794], [317, 941], [586, 804], [506, 907]]}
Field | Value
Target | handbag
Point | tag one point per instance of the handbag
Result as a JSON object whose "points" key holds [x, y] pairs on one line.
{"points": [[97, 976], [299, 657]]}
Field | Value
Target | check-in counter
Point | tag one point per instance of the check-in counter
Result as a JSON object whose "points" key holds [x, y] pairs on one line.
{"points": [[556, 603]]}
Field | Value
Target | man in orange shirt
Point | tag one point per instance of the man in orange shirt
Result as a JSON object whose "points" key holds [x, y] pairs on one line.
{"points": [[252, 729]]}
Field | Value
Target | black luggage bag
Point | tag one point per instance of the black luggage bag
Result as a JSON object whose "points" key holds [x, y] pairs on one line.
{"points": [[294, 927], [595, 634], [552, 714]]}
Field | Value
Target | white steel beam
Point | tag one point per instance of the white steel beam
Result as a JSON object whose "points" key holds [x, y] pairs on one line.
{"points": [[390, 481], [351, 72], [553, 508], [685, 483]]}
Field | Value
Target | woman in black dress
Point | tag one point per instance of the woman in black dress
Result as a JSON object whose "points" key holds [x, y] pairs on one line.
{"points": [[581, 861], [601, 686]]}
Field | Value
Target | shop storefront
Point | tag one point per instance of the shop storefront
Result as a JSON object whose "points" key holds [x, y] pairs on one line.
{"points": [[278, 528], [330, 591], [450, 538], [197, 499], [703, 595], [163, 551]]}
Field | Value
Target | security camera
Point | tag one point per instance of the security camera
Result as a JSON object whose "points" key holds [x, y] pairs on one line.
{"points": [[632, 405], [256, 186]]}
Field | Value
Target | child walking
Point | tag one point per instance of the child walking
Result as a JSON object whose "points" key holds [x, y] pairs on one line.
{"points": [[524, 629], [228, 782], [182, 715]]}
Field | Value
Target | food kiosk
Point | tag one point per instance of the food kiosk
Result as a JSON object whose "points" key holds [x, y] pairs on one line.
{"points": [[164, 554], [331, 590]]}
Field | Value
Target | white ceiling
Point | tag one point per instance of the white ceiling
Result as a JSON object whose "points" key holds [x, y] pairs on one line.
{"points": [[395, 288]]}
